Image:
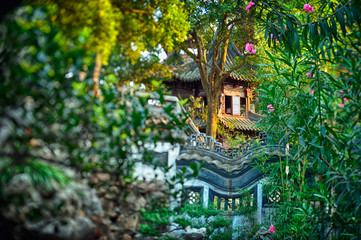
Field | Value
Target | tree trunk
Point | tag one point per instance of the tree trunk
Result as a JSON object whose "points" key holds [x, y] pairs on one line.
{"points": [[96, 74], [212, 115]]}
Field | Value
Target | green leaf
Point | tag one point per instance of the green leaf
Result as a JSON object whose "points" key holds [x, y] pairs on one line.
{"points": [[341, 20], [304, 36], [323, 130], [296, 19], [266, 33], [297, 40], [289, 24], [349, 15], [270, 55], [333, 27], [355, 14], [315, 144], [302, 142], [312, 30]]}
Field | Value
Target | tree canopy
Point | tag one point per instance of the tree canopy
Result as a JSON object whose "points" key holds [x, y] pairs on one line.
{"points": [[309, 93], [214, 26], [134, 26]]}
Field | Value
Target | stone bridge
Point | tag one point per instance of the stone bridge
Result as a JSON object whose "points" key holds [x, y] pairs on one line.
{"points": [[227, 171]]}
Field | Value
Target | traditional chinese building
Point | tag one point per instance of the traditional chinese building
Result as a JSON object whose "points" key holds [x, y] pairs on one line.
{"points": [[236, 110]]}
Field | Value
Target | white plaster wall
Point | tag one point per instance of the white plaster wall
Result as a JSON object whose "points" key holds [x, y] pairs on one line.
{"points": [[147, 171]]}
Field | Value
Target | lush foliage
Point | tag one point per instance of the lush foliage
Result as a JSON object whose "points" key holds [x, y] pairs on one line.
{"points": [[49, 115], [214, 26], [310, 92], [133, 26], [198, 216], [312, 82]]}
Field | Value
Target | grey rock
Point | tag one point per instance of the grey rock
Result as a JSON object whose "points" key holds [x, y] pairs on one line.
{"points": [[263, 234], [178, 234], [19, 184], [73, 229], [194, 233], [211, 219], [199, 221], [91, 203], [185, 216], [173, 226]]}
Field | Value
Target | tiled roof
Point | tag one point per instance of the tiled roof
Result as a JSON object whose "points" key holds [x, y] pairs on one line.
{"points": [[238, 123], [254, 117], [189, 72]]}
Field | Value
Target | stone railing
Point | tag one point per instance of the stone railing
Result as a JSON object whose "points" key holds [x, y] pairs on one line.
{"points": [[202, 141]]}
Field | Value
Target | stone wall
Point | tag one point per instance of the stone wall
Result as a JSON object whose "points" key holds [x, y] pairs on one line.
{"points": [[110, 209], [122, 204], [29, 211]]}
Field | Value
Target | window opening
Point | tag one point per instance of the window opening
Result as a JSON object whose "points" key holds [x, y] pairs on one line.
{"points": [[228, 104]]}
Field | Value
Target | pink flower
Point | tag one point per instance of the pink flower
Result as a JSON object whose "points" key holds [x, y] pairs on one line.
{"points": [[270, 108], [250, 4], [345, 99], [311, 92], [341, 91], [308, 74], [313, 75], [308, 8], [341, 105], [275, 38], [349, 90], [249, 48], [272, 229]]}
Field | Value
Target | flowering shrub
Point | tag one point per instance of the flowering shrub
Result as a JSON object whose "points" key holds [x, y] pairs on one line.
{"points": [[313, 74], [250, 4], [308, 8], [272, 229], [270, 108], [249, 48]]}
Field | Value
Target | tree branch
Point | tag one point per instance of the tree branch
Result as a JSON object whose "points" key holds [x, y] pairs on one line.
{"points": [[238, 66], [189, 53]]}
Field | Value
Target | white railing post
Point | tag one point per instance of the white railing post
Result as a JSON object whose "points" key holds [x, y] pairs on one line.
{"points": [[173, 153], [259, 203], [205, 196]]}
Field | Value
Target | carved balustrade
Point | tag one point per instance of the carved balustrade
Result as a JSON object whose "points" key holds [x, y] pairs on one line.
{"points": [[202, 141]]}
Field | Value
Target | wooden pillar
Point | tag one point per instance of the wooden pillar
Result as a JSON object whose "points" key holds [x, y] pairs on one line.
{"points": [[222, 105], [248, 99]]}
